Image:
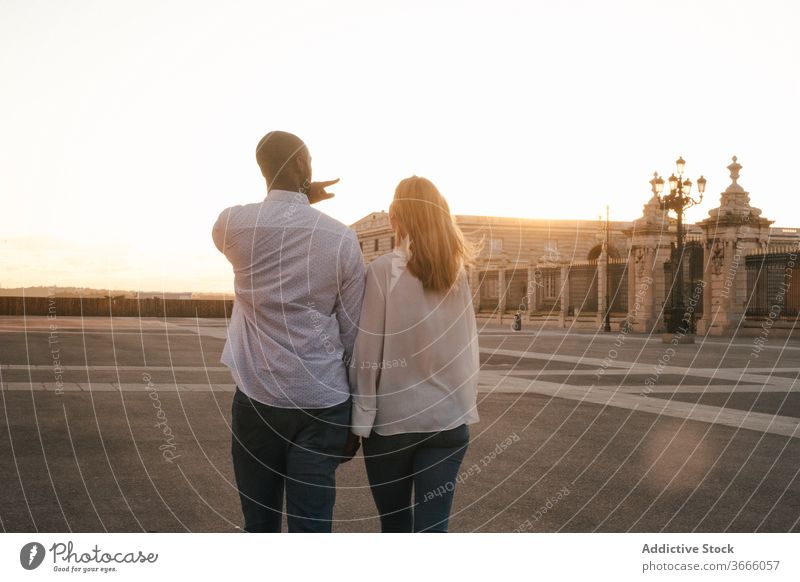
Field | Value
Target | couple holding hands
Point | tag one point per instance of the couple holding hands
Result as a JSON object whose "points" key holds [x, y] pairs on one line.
{"points": [[328, 356]]}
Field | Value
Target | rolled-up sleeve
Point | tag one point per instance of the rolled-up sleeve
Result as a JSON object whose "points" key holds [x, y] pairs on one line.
{"points": [[367, 356], [219, 232]]}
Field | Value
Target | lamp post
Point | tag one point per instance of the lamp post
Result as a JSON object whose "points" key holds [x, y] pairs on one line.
{"points": [[678, 200]]}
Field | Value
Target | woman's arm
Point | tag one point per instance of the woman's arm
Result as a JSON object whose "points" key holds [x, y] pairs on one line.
{"points": [[365, 367]]}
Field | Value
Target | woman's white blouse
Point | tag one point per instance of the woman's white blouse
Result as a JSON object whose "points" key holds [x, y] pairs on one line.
{"points": [[415, 362]]}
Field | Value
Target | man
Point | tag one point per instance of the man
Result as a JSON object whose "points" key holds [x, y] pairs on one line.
{"points": [[299, 282]]}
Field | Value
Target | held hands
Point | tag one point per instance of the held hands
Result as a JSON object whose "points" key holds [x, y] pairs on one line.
{"points": [[317, 193], [351, 447]]}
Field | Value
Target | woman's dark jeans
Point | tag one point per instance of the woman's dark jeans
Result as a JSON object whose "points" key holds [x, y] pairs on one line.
{"points": [[426, 463]]}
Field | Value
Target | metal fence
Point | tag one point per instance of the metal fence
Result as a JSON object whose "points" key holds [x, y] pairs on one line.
{"points": [[618, 285], [549, 287], [583, 286], [96, 306], [773, 283]]}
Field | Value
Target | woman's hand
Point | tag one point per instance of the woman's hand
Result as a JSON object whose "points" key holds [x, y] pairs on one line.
{"points": [[351, 447], [317, 193]]}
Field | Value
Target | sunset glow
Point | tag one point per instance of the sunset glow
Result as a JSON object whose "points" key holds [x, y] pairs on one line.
{"points": [[128, 127]]}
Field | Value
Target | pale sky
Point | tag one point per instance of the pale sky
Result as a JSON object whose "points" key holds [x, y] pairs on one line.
{"points": [[126, 127]]}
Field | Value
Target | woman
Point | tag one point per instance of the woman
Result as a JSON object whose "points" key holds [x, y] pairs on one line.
{"points": [[415, 365]]}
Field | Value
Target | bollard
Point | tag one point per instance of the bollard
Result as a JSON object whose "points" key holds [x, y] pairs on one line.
{"points": [[517, 325]]}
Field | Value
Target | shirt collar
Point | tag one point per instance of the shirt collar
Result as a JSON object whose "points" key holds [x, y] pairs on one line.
{"points": [[403, 249], [287, 196], [400, 258]]}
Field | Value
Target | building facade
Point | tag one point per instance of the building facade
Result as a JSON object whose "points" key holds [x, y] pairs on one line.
{"points": [[563, 270]]}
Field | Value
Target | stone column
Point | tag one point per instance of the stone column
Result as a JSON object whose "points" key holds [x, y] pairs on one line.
{"points": [[564, 295], [708, 308], [475, 288], [649, 245], [602, 277], [738, 272], [731, 231], [650, 310], [501, 285], [531, 291], [728, 302], [631, 269]]}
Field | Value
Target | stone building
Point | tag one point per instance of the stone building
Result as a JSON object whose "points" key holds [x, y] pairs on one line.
{"points": [[561, 271]]}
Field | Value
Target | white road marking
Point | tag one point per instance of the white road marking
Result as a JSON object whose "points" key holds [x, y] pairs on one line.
{"points": [[114, 387], [733, 374], [494, 382]]}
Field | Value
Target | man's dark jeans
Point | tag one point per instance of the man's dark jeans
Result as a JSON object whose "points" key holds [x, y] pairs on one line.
{"points": [[428, 463], [296, 450]]}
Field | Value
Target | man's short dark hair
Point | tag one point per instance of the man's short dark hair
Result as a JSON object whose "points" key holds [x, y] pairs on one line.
{"points": [[275, 151]]}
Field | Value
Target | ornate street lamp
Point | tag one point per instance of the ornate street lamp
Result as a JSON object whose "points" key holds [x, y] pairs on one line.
{"points": [[657, 184], [678, 200]]}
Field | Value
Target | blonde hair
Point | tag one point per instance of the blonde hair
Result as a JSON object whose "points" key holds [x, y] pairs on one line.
{"points": [[438, 249]]}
